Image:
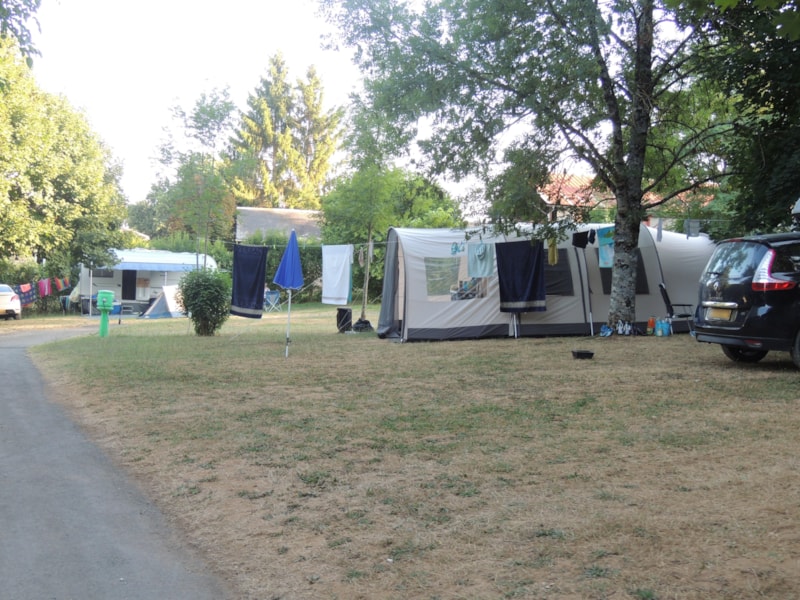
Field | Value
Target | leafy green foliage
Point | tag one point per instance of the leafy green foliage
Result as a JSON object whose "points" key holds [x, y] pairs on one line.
{"points": [[539, 83], [284, 144], [784, 16], [760, 71], [362, 207], [181, 241], [59, 190], [205, 295], [16, 17], [197, 200]]}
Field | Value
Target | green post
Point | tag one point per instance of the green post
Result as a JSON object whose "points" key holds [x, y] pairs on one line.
{"points": [[105, 302], [103, 322]]}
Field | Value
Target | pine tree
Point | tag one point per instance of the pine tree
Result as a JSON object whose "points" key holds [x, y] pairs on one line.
{"points": [[285, 142], [317, 136]]}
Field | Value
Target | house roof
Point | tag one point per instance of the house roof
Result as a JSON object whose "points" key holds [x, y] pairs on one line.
{"points": [[250, 221]]}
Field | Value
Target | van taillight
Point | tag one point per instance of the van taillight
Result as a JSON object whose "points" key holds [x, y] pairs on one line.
{"points": [[763, 281]]}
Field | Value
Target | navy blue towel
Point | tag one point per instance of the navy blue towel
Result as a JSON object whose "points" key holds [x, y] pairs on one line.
{"points": [[249, 274], [520, 273]]}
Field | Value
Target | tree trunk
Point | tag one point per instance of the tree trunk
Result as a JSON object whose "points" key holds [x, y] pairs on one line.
{"points": [[622, 303], [628, 178]]}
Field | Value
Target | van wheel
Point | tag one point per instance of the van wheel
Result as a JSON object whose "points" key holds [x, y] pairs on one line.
{"points": [[795, 351], [741, 354]]}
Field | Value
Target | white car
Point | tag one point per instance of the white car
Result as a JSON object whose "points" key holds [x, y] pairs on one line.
{"points": [[10, 305]]}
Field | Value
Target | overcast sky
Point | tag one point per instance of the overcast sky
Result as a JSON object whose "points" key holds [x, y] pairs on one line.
{"points": [[126, 64]]}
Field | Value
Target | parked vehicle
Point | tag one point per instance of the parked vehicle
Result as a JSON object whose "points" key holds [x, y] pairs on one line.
{"points": [[749, 299], [10, 305]]}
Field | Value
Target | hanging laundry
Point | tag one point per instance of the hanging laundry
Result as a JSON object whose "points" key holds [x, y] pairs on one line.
{"points": [[605, 242], [249, 274], [44, 288], [552, 252], [580, 239], [26, 293], [520, 273], [692, 227], [337, 274], [480, 260]]}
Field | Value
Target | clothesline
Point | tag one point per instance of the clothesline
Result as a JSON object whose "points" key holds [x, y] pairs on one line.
{"points": [[30, 292]]}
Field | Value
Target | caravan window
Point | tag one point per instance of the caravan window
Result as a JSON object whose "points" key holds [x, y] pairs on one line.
{"points": [[446, 280]]}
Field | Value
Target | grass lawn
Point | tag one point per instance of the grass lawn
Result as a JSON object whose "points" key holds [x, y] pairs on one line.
{"points": [[362, 468]]}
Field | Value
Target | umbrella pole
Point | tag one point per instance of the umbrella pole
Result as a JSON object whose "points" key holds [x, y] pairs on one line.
{"points": [[288, 322]]}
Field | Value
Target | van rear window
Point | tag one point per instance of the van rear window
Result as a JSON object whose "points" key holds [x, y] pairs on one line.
{"points": [[735, 260]]}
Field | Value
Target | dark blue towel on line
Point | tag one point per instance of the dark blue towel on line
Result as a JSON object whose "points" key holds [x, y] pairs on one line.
{"points": [[520, 273], [249, 274]]}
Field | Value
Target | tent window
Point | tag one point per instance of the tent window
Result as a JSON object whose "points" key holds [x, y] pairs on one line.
{"points": [[558, 277], [446, 279], [641, 276], [440, 274]]}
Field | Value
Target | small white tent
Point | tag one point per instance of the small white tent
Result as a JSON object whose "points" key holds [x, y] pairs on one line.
{"points": [[430, 291], [165, 305]]}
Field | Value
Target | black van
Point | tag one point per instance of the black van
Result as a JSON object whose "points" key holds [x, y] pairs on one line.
{"points": [[749, 299]]}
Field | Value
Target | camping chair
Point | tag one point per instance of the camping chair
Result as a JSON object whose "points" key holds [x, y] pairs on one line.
{"points": [[684, 312], [272, 301]]}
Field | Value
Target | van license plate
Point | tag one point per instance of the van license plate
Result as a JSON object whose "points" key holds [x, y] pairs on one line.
{"points": [[719, 314]]}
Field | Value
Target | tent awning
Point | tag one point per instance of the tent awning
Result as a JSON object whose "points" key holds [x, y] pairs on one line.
{"points": [[141, 259], [148, 266]]}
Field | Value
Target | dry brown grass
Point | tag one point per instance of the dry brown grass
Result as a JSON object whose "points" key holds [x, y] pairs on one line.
{"points": [[360, 468]]}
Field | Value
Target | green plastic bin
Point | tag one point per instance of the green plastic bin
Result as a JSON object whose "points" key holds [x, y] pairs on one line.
{"points": [[105, 300]]}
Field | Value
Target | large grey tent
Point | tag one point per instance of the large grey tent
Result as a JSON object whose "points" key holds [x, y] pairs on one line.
{"points": [[431, 293]]}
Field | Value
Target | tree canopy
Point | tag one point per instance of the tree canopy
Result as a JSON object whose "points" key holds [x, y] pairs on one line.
{"points": [[760, 72], [16, 17], [285, 141], [527, 85], [275, 153], [784, 16], [59, 189]]}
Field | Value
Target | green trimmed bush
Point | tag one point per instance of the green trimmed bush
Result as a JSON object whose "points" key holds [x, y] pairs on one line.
{"points": [[205, 295]]}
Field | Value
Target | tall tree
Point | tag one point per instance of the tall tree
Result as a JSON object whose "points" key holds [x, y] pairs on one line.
{"points": [[541, 82], [198, 199], [761, 71], [317, 138], [264, 140], [59, 191], [285, 143]]}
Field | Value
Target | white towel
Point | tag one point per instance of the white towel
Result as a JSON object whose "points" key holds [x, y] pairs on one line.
{"points": [[337, 262]]}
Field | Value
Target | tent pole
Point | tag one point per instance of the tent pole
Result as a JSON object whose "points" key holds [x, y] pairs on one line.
{"points": [[366, 275]]}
